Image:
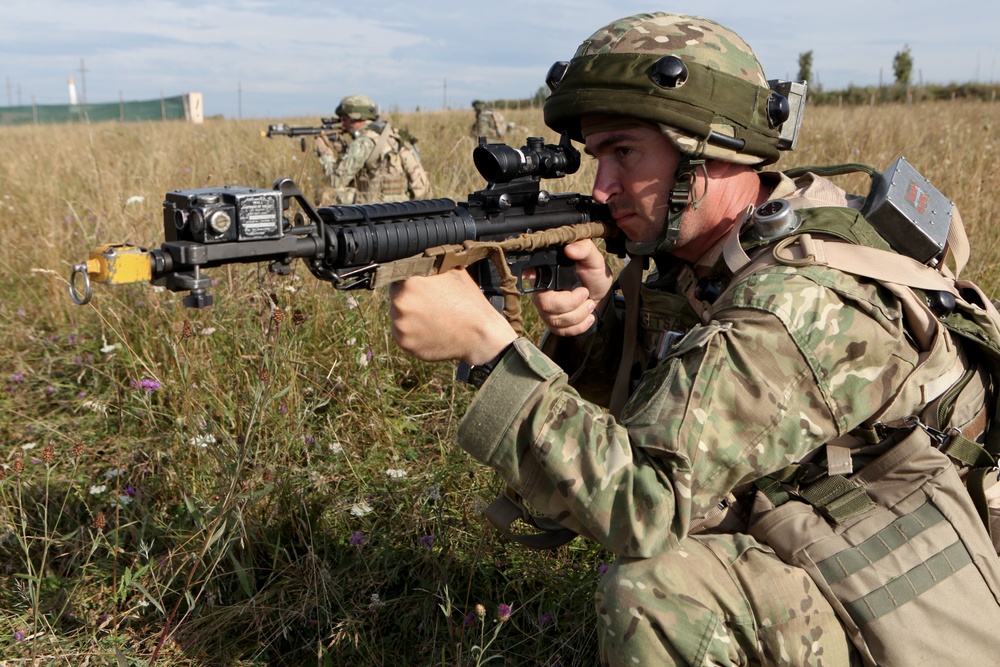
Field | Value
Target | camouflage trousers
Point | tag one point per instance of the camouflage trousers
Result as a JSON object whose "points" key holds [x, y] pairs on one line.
{"points": [[717, 600]]}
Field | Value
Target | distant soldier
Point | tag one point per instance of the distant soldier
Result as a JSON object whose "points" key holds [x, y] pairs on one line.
{"points": [[378, 166], [489, 122]]}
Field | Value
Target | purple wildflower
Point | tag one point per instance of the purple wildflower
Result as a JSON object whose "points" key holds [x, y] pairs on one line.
{"points": [[17, 377], [129, 491], [427, 541], [357, 539], [50, 390], [470, 619], [19, 636], [149, 385], [503, 611], [545, 619]]}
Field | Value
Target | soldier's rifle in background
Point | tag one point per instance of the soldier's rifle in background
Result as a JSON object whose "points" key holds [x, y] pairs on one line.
{"points": [[331, 129], [506, 228]]}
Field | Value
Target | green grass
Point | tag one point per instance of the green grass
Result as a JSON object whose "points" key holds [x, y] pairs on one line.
{"points": [[214, 487]]}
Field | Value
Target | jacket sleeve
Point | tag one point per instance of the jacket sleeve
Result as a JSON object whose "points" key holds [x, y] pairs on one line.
{"points": [[789, 363]]}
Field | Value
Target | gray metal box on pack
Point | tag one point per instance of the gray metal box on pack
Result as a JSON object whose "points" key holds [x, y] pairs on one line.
{"points": [[909, 213]]}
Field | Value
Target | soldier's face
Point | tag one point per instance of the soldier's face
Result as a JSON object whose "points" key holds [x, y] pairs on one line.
{"points": [[635, 172]]}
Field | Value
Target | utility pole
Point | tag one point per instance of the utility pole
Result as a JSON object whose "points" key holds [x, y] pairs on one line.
{"points": [[83, 83]]}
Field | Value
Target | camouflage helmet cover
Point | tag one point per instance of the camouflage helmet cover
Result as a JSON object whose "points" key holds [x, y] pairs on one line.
{"points": [[357, 107], [722, 88]]}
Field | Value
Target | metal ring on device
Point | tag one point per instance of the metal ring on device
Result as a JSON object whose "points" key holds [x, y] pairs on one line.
{"points": [[88, 290]]}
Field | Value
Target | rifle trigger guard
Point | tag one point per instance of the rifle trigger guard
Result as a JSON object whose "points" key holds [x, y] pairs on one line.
{"points": [[88, 289]]}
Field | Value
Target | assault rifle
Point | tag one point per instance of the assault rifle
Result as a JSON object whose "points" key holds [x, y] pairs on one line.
{"points": [[506, 228], [330, 128]]}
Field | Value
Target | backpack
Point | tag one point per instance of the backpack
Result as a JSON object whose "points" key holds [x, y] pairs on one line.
{"points": [[899, 529]]}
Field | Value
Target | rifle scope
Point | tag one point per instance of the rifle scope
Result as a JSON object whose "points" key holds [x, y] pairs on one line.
{"points": [[499, 163]]}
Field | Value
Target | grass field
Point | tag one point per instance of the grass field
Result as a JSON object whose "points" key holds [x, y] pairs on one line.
{"points": [[223, 487]]}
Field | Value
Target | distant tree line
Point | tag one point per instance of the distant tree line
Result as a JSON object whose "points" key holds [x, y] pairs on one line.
{"points": [[901, 90]]}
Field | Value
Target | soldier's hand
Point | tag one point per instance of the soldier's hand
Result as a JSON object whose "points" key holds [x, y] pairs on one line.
{"points": [[322, 146], [446, 316], [571, 312]]}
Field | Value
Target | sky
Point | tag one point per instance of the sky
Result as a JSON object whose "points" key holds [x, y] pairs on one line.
{"points": [[282, 59]]}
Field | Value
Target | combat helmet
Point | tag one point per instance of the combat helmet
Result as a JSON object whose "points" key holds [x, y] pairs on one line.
{"points": [[698, 80], [357, 107]]}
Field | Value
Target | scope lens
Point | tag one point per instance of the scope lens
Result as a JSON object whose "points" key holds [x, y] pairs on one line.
{"points": [[498, 163]]}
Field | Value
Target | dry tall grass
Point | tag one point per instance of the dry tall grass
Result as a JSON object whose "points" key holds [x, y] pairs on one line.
{"points": [[223, 488]]}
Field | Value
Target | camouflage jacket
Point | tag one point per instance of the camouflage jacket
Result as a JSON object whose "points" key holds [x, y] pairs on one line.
{"points": [[394, 174], [792, 358]]}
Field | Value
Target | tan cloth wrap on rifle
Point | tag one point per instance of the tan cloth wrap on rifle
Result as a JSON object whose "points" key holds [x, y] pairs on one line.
{"points": [[443, 258]]}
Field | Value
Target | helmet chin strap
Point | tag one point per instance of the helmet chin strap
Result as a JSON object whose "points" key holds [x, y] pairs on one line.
{"points": [[681, 197]]}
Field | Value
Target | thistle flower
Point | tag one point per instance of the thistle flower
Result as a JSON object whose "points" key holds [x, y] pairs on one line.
{"points": [[357, 539], [480, 610], [149, 385], [503, 612]]}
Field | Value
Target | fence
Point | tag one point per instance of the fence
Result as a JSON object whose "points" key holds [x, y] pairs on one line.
{"points": [[186, 107]]}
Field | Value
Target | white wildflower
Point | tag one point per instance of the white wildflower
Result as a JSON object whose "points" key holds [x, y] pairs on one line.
{"points": [[352, 302], [203, 440], [207, 331], [108, 349], [336, 448], [96, 489], [96, 406], [395, 474], [29, 445], [363, 359], [361, 509], [114, 472], [135, 200]]}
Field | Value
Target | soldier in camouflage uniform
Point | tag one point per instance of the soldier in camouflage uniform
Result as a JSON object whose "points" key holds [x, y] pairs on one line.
{"points": [[644, 427], [378, 166], [489, 122]]}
